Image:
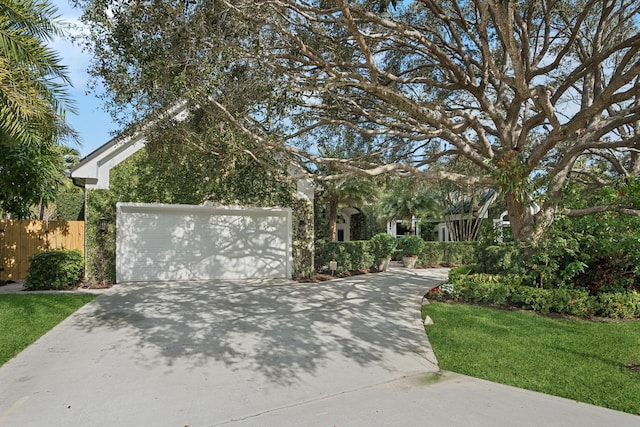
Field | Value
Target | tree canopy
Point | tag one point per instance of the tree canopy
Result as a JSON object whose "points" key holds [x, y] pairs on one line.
{"points": [[33, 97], [533, 93], [33, 104]]}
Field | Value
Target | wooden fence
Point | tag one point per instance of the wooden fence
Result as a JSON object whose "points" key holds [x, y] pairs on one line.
{"points": [[21, 239]]}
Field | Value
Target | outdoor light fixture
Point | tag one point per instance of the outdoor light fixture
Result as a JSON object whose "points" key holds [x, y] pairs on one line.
{"points": [[302, 226], [102, 224]]}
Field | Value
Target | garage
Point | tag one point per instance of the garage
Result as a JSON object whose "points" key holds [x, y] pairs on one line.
{"points": [[160, 242]]}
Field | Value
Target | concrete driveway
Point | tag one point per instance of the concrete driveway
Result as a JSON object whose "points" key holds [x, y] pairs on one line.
{"points": [[350, 352]]}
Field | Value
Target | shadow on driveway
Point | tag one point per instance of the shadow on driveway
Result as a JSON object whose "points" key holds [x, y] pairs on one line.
{"points": [[279, 329]]}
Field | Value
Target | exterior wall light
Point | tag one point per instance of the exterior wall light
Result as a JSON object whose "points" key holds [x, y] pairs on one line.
{"points": [[102, 224]]}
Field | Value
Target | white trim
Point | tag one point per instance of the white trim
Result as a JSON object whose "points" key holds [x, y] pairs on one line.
{"points": [[93, 171]]}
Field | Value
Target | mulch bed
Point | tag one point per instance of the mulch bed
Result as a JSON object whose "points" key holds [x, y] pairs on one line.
{"points": [[323, 277]]}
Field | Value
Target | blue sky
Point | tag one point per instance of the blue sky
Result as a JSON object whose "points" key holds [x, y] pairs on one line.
{"points": [[93, 124]]}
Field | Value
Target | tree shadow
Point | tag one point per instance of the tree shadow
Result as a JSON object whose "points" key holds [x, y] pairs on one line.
{"points": [[278, 328]]}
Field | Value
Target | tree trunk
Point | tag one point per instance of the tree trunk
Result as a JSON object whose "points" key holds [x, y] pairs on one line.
{"points": [[333, 220], [522, 220]]}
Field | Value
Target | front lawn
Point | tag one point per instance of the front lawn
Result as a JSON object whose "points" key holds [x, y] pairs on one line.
{"points": [[25, 318], [581, 360]]}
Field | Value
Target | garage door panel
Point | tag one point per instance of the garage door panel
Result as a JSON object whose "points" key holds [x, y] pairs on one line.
{"points": [[182, 242]]}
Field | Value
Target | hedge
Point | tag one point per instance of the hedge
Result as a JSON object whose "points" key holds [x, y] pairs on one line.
{"points": [[447, 253], [355, 255], [508, 290], [359, 254]]}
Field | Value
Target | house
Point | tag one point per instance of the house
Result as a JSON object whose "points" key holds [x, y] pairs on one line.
{"points": [[459, 222], [163, 242], [398, 228]]}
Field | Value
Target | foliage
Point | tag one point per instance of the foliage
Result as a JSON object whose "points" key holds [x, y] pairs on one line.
{"points": [[199, 160], [510, 291], [101, 246], [25, 318], [411, 245], [349, 256], [302, 212], [57, 269], [383, 245], [579, 360], [598, 253], [498, 257], [534, 94], [29, 175], [406, 199], [447, 253], [33, 98], [350, 191], [69, 203]]}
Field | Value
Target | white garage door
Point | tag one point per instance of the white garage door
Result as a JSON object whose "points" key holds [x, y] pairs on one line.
{"points": [[156, 242]]}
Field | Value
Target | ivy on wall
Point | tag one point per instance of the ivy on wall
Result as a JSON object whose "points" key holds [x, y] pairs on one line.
{"points": [[171, 169]]}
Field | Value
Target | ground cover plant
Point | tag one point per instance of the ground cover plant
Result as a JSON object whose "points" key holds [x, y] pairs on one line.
{"points": [[586, 361], [25, 318]]}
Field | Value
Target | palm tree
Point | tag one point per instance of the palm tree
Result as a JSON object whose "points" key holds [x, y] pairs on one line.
{"points": [[407, 199], [33, 97], [351, 191]]}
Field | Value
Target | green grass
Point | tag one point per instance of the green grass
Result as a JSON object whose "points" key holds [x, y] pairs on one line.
{"points": [[579, 360], [25, 318]]}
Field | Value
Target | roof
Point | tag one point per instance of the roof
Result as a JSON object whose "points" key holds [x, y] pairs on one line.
{"points": [[92, 172]]}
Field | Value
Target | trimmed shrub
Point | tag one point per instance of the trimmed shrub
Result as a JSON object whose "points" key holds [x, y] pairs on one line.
{"points": [[383, 244], [432, 254], [349, 256], [411, 245], [57, 269]]}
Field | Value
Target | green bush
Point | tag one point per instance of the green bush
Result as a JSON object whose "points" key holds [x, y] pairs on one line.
{"points": [[349, 256], [432, 254], [411, 245], [383, 244], [485, 288], [448, 253], [456, 274], [495, 257], [623, 305], [58, 269], [574, 302], [509, 290]]}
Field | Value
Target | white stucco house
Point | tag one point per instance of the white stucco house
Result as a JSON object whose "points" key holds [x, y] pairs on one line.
{"points": [[163, 242]]}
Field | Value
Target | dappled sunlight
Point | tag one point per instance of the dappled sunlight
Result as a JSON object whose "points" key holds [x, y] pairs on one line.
{"points": [[280, 330], [188, 242]]}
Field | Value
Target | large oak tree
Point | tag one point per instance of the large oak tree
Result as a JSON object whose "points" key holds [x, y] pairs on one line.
{"points": [[534, 93]]}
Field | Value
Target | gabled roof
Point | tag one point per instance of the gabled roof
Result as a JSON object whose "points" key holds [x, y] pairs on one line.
{"points": [[92, 171]]}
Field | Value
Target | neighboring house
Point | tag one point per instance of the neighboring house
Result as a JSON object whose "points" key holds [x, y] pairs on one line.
{"points": [[161, 242], [458, 220], [398, 228]]}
